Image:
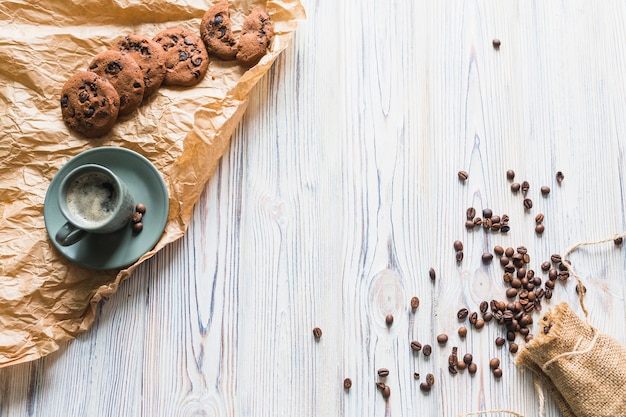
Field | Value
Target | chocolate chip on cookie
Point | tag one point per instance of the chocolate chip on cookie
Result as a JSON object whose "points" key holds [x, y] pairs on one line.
{"points": [[216, 32], [255, 38], [124, 74], [186, 57], [89, 104], [148, 55]]}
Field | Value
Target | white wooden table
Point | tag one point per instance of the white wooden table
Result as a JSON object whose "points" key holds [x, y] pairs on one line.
{"points": [[337, 195]]}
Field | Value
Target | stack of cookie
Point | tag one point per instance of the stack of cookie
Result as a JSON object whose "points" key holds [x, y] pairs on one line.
{"points": [[118, 80]]}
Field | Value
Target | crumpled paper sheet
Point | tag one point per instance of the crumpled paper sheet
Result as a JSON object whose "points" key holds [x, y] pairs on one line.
{"points": [[44, 298]]}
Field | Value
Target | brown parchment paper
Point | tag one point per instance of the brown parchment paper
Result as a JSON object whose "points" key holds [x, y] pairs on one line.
{"points": [[44, 298]]}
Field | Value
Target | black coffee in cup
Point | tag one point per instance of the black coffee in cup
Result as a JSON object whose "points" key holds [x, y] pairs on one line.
{"points": [[92, 198]]}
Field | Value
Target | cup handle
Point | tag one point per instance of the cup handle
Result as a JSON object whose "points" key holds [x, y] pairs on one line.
{"points": [[69, 234]]}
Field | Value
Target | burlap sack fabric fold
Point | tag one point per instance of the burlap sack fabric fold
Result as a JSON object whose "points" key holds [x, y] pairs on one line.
{"points": [[582, 368]]}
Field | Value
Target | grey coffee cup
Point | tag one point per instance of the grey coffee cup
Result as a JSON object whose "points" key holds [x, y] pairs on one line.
{"points": [[93, 200]]}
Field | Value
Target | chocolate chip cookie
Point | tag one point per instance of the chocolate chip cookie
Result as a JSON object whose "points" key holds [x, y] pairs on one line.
{"points": [[216, 32], [148, 55], [89, 104], [255, 38], [124, 74], [186, 57]]}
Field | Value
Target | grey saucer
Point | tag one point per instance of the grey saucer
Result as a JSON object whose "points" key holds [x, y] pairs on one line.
{"points": [[122, 248]]}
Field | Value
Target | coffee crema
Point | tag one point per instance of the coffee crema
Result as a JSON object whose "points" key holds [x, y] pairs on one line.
{"points": [[92, 198]]}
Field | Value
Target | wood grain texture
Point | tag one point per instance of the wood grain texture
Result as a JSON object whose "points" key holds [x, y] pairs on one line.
{"points": [[337, 195]]}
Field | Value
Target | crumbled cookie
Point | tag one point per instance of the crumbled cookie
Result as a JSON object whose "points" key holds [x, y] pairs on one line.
{"points": [[124, 74], [89, 104], [148, 55], [255, 38], [216, 32], [186, 57]]}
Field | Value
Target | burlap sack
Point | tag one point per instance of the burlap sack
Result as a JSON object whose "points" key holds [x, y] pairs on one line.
{"points": [[583, 369]]}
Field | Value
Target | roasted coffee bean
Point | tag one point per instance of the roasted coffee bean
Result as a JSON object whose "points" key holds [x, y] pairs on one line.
{"points": [[513, 347], [432, 274], [430, 379], [452, 369], [528, 338], [458, 245], [463, 176], [495, 219], [545, 190], [389, 320], [383, 372], [549, 284], [504, 260], [470, 213], [525, 186], [483, 306], [559, 177], [137, 227], [415, 303], [496, 43], [488, 317], [480, 323], [539, 229], [524, 331], [416, 375], [487, 257], [462, 331], [462, 314], [427, 350], [563, 275], [497, 373], [509, 252], [136, 217], [515, 187], [521, 250], [493, 304], [548, 294], [521, 272], [473, 318], [498, 250], [472, 368], [461, 365], [317, 332], [505, 228], [425, 387], [442, 339], [556, 258], [459, 256], [510, 174], [469, 224], [347, 383], [618, 241], [539, 218], [528, 203], [505, 218], [500, 341], [416, 346], [553, 274], [487, 213], [478, 221], [140, 208], [495, 227], [545, 266], [494, 363], [510, 335], [510, 267], [452, 360], [468, 358], [386, 392]]}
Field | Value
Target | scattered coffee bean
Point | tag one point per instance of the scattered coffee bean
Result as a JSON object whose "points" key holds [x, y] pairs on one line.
{"points": [[510, 174], [556, 258], [488, 317], [515, 187], [427, 350], [442, 339], [528, 203], [425, 387], [618, 241], [511, 292], [452, 369], [432, 274], [478, 221], [509, 252], [494, 363], [137, 227], [553, 274], [472, 368], [470, 213], [559, 177], [462, 331], [539, 218], [539, 229], [473, 318], [496, 43], [500, 341], [487, 257], [462, 314], [415, 303], [383, 372], [416, 375], [430, 379], [525, 186], [347, 383], [468, 358], [317, 332], [416, 346], [463, 176], [487, 213], [469, 224], [137, 216], [386, 392], [498, 250], [458, 245], [389, 320], [461, 365], [545, 190], [483, 306], [497, 373], [480, 323], [140, 208]]}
